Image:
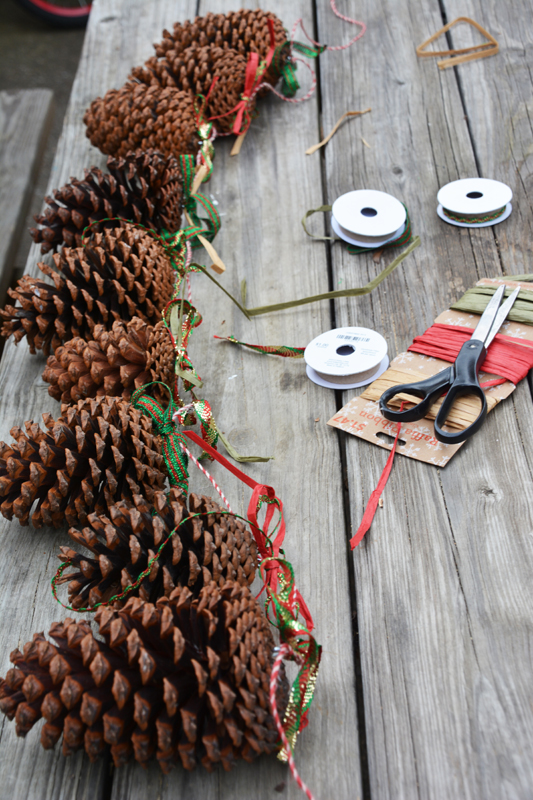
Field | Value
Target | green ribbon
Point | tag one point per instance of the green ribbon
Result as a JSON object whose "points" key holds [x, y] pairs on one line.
{"points": [[309, 52], [287, 69], [209, 226], [176, 459], [280, 350], [289, 85]]}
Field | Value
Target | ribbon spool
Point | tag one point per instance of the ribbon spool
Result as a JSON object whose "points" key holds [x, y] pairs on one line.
{"points": [[368, 218], [474, 202], [345, 358]]}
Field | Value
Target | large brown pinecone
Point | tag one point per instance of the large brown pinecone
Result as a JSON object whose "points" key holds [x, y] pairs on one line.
{"points": [[115, 363], [140, 116], [212, 546], [98, 452], [245, 31], [184, 680], [119, 274], [144, 188], [194, 71]]}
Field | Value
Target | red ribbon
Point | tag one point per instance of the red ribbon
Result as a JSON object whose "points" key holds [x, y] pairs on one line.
{"points": [[255, 69], [268, 549]]}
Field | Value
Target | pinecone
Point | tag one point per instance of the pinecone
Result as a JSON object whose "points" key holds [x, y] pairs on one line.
{"points": [[184, 680], [213, 546], [119, 274], [140, 116], [143, 187], [98, 452], [194, 70], [115, 364], [245, 31]]}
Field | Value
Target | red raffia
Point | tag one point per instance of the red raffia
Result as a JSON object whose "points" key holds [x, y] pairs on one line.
{"points": [[371, 506], [508, 356]]}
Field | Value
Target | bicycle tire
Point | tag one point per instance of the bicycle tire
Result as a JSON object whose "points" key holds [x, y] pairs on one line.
{"points": [[58, 16]]}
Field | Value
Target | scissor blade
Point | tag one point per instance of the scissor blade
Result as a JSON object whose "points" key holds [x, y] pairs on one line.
{"points": [[484, 325], [501, 316]]}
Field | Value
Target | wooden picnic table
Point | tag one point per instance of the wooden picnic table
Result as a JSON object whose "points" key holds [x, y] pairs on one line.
{"points": [[425, 687]]}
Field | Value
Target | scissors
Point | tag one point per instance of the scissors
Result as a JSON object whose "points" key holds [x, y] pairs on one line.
{"points": [[459, 379]]}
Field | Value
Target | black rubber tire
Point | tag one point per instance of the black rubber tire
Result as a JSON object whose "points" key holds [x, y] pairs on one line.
{"points": [[45, 10]]}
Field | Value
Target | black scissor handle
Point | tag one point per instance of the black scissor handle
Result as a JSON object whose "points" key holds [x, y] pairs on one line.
{"points": [[428, 390], [466, 368]]}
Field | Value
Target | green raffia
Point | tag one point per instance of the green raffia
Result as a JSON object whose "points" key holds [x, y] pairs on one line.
{"points": [[475, 301], [242, 308], [175, 458], [254, 312], [280, 350], [236, 456]]}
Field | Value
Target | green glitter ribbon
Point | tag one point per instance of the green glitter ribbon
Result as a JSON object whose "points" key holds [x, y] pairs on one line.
{"points": [[280, 350], [294, 632]]}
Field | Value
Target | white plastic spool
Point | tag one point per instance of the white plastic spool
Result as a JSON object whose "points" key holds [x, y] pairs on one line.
{"points": [[368, 218], [474, 198], [345, 358]]}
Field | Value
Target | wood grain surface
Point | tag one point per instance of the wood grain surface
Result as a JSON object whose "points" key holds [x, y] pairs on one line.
{"points": [[425, 688], [442, 577], [25, 118]]}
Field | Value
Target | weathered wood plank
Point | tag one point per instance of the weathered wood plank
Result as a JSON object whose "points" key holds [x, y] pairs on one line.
{"points": [[267, 406], [25, 119], [441, 596], [119, 35]]}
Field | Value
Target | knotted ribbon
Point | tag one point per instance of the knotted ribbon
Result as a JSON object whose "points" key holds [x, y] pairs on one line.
{"points": [[175, 459], [255, 69]]}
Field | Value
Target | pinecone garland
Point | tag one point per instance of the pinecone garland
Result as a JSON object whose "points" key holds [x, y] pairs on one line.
{"points": [[184, 680], [119, 274], [213, 546], [140, 116], [144, 187], [194, 71], [98, 452], [245, 31], [115, 363]]}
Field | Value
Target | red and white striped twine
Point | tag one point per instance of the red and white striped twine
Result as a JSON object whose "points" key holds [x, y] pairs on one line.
{"points": [[284, 651], [201, 468], [317, 44], [337, 14], [292, 99]]}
